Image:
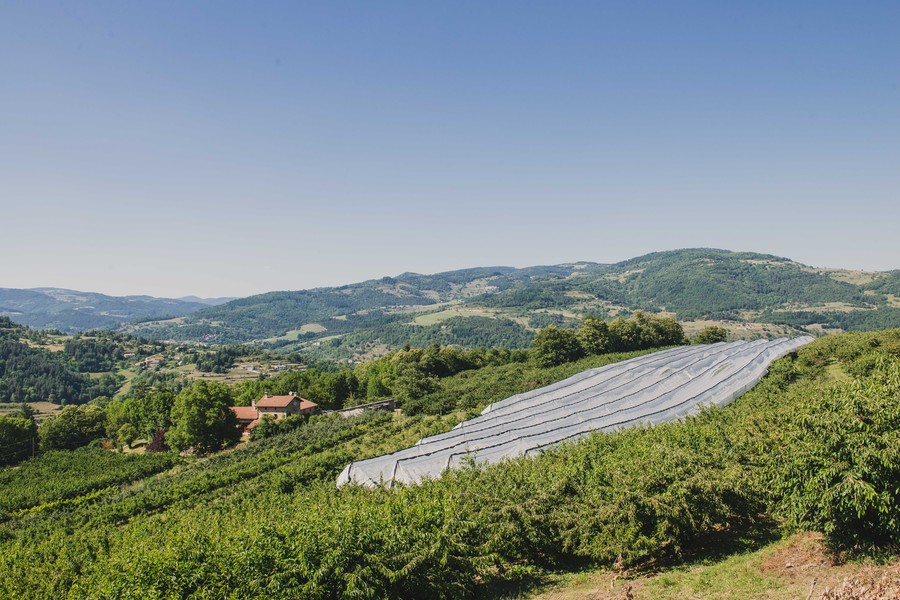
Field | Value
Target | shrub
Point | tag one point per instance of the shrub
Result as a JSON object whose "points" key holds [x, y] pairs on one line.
{"points": [[840, 462]]}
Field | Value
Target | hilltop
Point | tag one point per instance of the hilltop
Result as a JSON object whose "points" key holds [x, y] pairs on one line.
{"points": [[71, 311], [751, 294]]}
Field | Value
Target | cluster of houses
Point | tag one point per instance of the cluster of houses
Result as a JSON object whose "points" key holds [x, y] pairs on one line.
{"points": [[276, 407]]}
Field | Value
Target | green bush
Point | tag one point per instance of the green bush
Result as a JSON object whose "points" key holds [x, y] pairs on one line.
{"points": [[839, 465]]}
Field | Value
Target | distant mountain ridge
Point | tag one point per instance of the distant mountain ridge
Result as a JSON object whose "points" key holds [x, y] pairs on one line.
{"points": [[505, 305], [750, 293], [71, 311], [208, 301]]}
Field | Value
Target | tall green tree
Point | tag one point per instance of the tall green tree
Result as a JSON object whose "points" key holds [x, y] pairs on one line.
{"points": [[75, 426], [202, 419], [710, 335], [554, 346], [16, 439], [594, 336]]}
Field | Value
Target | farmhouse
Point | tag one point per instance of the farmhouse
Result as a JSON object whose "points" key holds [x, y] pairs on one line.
{"points": [[283, 406], [276, 407]]}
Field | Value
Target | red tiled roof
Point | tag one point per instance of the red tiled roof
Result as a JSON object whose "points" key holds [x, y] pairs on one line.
{"points": [[245, 413], [252, 424], [304, 404], [283, 401]]}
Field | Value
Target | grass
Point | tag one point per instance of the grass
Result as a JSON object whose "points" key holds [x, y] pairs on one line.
{"points": [[294, 334], [740, 330], [779, 570], [437, 317], [44, 409]]}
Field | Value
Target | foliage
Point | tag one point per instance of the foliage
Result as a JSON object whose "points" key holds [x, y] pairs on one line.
{"points": [[857, 320], [838, 466], [147, 413], [219, 360], [468, 332], [60, 475], [594, 336], [75, 426], [201, 418], [269, 426], [265, 520], [710, 335], [17, 439], [92, 355], [554, 346], [33, 374]]}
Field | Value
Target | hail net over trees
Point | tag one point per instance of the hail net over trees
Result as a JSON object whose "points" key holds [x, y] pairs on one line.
{"points": [[651, 389]]}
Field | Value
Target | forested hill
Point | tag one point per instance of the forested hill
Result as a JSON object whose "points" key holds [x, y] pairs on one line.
{"points": [[71, 311], [33, 374], [325, 312], [753, 294]]}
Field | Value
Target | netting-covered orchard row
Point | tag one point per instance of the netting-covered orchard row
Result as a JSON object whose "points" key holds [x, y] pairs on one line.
{"points": [[650, 389]]}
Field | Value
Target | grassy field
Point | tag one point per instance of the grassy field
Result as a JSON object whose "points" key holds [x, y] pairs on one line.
{"points": [[44, 409], [294, 334], [437, 317], [741, 331]]}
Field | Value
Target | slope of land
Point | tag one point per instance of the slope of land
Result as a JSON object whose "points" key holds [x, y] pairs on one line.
{"points": [[750, 294], [265, 519], [71, 311], [800, 566]]}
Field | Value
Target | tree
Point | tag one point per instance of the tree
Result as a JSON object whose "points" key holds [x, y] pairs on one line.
{"points": [[202, 419], [594, 336], [151, 412], [158, 443], [554, 346], [16, 439], [413, 383], [625, 334], [267, 427], [126, 435], [710, 335], [26, 412], [75, 426]]}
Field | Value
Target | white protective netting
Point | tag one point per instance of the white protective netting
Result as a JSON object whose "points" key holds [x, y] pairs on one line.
{"points": [[650, 389]]}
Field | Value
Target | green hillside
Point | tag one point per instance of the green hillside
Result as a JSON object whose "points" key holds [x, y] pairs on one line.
{"points": [[812, 447], [748, 293], [353, 308], [32, 374], [71, 311]]}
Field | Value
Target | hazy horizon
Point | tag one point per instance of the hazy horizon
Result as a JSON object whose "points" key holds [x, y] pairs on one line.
{"points": [[230, 149], [395, 274]]}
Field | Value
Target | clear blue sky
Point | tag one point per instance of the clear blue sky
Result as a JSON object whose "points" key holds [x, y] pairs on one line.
{"points": [[220, 148]]}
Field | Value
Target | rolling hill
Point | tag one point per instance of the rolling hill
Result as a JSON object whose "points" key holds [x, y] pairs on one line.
{"points": [[751, 294], [72, 311]]}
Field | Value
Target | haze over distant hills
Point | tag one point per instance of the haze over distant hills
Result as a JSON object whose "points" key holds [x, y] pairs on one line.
{"points": [[751, 294], [71, 311]]}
